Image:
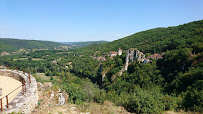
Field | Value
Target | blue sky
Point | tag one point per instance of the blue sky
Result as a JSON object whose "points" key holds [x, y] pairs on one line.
{"points": [[91, 20]]}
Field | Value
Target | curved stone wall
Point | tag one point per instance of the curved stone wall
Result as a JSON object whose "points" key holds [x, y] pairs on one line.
{"points": [[22, 103]]}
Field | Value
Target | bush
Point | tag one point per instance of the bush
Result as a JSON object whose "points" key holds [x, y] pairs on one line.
{"points": [[76, 94], [145, 102], [193, 100]]}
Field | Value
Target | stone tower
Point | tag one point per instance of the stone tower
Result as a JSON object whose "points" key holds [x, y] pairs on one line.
{"points": [[119, 51]]}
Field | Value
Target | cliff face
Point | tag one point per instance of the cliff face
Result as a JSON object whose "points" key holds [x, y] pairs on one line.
{"points": [[133, 54]]}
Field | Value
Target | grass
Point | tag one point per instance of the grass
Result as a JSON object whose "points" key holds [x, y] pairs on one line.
{"points": [[41, 77], [37, 59], [20, 59]]}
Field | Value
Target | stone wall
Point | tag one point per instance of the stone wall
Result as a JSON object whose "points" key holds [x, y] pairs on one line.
{"points": [[14, 75], [22, 103]]}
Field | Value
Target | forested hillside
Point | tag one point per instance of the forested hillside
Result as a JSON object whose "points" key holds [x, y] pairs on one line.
{"points": [[171, 83], [7, 44], [156, 40]]}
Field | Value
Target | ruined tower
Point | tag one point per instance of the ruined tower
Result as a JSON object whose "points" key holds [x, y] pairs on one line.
{"points": [[131, 54], [119, 51]]}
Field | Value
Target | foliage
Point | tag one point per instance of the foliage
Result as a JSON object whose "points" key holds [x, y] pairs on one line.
{"points": [[79, 90]]}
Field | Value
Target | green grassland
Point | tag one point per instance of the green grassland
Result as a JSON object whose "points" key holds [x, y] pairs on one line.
{"points": [[43, 78]]}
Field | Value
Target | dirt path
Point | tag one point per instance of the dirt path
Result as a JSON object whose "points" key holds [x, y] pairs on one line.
{"points": [[9, 84]]}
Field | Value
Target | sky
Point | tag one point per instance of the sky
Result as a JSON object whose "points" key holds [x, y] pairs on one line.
{"points": [[91, 20]]}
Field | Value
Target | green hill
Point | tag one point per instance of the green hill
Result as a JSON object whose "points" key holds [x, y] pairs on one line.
{"points": [[174, 82], [156, 40], [83, 44], [7, 44]]}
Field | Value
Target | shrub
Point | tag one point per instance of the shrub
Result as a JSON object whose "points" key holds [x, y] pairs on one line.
{"points": [[193, 100]]}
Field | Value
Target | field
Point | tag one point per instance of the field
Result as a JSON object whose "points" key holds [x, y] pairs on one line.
{"points": [[42, 77], [37, 59], [20, 59], [34, 59]]}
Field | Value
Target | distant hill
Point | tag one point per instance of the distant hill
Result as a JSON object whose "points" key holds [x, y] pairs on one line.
{"points": [[156, 40], [84, 44], [7, 44]]}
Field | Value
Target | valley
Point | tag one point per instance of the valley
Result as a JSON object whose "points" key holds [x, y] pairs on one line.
{"points": [[152, 71]]}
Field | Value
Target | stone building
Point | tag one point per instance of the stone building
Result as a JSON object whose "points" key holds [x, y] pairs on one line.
{"points": [[156, 56], [113, 53]]}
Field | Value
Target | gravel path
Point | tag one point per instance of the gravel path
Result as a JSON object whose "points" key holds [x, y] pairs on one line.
{"points": [[9, 84]]}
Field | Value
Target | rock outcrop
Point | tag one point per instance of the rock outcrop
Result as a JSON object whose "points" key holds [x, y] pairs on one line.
{"points": [[131, 55]]}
